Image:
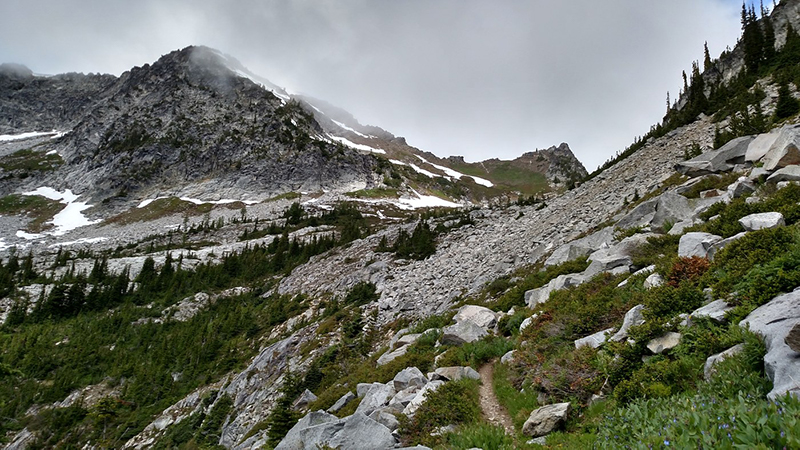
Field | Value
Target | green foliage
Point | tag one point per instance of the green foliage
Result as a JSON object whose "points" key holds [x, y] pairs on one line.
{"points": [[657, 378], [518, 404], [731, 411], [476, 353], [787, 105], [362, 293], [666, 301], [483, 436], [453, 403], [711, 182], [760, 265], [21, 163], [419, 245], [658, 250], [434, 321]]}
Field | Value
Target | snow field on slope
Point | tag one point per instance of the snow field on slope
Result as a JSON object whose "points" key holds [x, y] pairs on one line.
{"points": [[68, 219]]}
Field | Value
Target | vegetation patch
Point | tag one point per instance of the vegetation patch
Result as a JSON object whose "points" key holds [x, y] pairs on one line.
{"points": [[23, 163]]}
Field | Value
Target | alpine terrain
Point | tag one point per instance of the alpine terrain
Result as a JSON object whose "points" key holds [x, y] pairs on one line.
{"points": [[193, 257]]}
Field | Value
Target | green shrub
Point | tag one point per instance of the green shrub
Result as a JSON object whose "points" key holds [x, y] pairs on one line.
{"points": [[658, 378], [476, 353], [362, 293], [480, 436], [657, 250], [711, 182], [454, 403], [665, 301], [509, 325], [435, 321], [518, 404]]}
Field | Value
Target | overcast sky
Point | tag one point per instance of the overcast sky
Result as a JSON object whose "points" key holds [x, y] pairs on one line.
{"points": [[482, 79]]}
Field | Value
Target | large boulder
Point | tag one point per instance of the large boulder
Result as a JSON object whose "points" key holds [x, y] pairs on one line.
{"points": [[741, 187], [774, 321], [594, 340], [403, 398], [377, 396], [760, 146], [640, 216], [606, 261], [386, 418], [462, 333], [388, 357], [671, 208], [582, 247], [784, 151], [546, 419], [716, 161], [713, 360], [342, 402], [454, 373], [632, 317], [696, 244], [567, 252], [410, 376], [359, 431], [479, 315], [788, 173], [761, 221], [653, 280], [314, 430], [302, 402], [536, 296]]}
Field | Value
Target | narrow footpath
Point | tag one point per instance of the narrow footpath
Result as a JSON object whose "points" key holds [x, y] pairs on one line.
{"points": [[492, 410]]}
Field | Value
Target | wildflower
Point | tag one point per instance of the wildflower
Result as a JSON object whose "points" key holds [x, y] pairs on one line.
{"points": [[666, 442]]}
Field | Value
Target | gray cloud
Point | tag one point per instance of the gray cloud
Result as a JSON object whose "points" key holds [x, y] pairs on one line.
{"points": [[475, 78]]}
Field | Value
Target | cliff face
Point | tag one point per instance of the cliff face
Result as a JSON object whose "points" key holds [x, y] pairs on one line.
{"points": [[187, 123]]}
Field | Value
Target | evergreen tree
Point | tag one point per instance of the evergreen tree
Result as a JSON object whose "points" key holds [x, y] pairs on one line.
{"points": [[706, 58], [787, 105]]}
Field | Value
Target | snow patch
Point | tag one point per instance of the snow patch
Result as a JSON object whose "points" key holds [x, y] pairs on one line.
{"points": [[357, 146], [344, 126], [79, 241], [457, 175], [52, 152], [224, 201], [68, 219], [28, 236], [410, 203], [419, 169], [31, 134]]}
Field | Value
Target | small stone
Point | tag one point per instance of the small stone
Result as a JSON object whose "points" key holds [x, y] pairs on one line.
{"points": [[546, 419], [667, 341]]}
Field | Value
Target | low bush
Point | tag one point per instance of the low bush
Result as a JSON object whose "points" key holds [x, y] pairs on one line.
{"points": [[476, 353], [454, 403], [480, 436]]}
